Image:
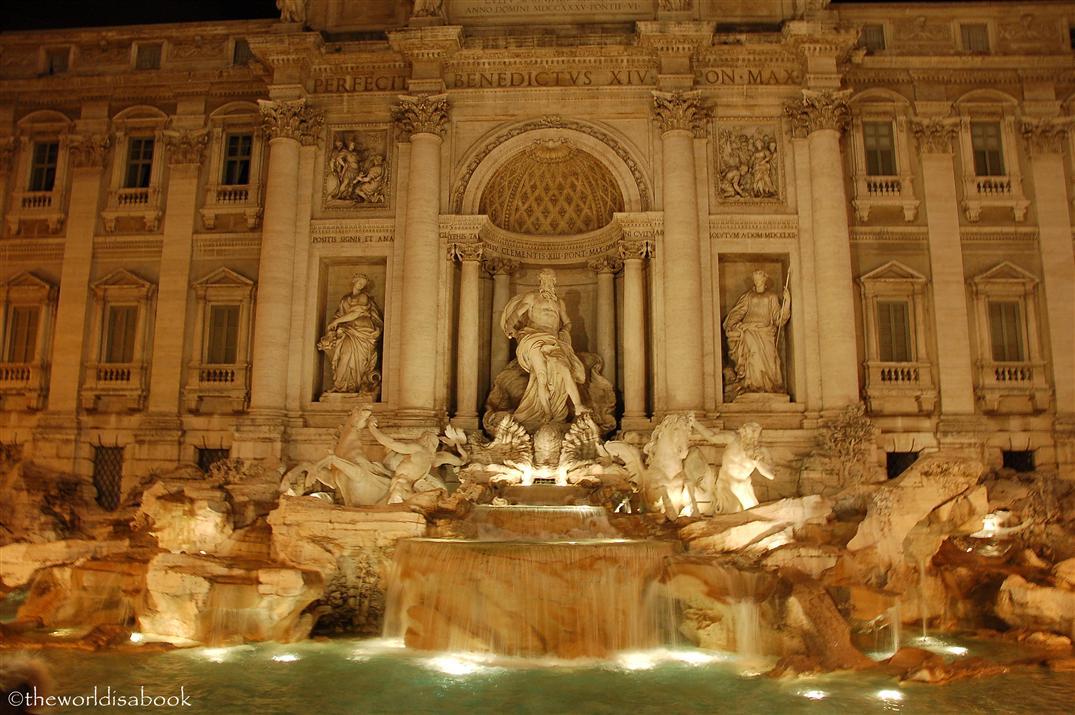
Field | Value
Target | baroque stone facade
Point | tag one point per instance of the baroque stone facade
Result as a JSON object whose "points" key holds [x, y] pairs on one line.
{"points": [[169, 263]]}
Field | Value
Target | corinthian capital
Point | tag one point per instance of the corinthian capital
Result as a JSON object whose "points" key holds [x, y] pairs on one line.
{"points": [[89, 151], [679, 111], [186, 147], [498, 265], [935, 135], [635, 250], [422, 114], [608, 263], [1045, 136], [817, 110], [291, 119], [464, 251]]}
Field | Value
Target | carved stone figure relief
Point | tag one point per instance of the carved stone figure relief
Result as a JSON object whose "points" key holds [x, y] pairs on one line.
{"points": [[748, 164], [753, 330], [356, 169], [352, 341]]}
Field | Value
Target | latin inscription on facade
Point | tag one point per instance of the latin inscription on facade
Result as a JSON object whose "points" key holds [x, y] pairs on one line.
{"points": [[570, 10]]}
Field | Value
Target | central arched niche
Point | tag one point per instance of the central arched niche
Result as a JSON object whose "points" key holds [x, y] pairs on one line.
{"points": [[551, 188]]}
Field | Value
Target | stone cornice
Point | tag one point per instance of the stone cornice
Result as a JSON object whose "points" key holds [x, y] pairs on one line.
{"points": [[89, 151], [1046, 135], [421, 114], [287, 50], [935, 135], [680, 111], [426, 44], [186, 147], [675, 37], [817, 110], [292, 119]]}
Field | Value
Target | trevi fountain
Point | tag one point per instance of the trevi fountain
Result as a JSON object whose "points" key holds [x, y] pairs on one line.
{"points": [[658, 460]]}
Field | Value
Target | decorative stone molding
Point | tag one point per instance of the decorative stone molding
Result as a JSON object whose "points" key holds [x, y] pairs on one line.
{"points": [[424, 114], [675, 5], [89, 151], [186, 147], [608, 263], [749, 164], [935, 135], [550, 122], [680, 111], [7, 153], [498, 265], [466, 251], [817, 110], [291, 119], [357, 168], [635, 249], [1044, 136]]}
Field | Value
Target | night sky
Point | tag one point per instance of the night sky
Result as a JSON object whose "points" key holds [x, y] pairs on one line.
{"points": [[43, 14]]}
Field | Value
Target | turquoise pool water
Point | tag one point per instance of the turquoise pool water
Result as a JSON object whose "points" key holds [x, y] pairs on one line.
{"points": [[373, 676]]}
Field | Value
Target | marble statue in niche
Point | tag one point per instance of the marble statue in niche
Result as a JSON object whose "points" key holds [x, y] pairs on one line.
{"points": [[547, 381], [752, 328], [292, 10], [357, 170], [428, 8], [747, 165], [351, 340]]}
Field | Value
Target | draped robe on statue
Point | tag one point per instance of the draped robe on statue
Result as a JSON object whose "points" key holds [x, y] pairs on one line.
{"points": [[751, 329], [539, 323]]}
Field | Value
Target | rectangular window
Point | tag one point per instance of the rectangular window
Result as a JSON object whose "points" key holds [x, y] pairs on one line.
{"points": [[22, 333], [139, 163], [43, 166], [1071, 37], [880, 144], [1006, 331], [237, 150], [241, 54], [108, 476], [988, 148], [873, 38], [57, 60], [119, 342], [975, 37], [223, 335], [148, 56], [208, 457], [894, 331]]}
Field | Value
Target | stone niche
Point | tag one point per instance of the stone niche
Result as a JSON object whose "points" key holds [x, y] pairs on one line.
{"points": [[736, 278], [335, 282]]}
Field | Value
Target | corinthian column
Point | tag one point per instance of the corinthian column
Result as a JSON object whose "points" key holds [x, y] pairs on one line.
{"points": [[287, 124], [606, 268], [634, 328], [469, 256], [821, 117], [185, 152], [950, 324], [680, 117], [1045, 139], [424, 120], [501, 269]]}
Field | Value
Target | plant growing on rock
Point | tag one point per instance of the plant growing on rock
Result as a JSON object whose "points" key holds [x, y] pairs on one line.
{"points": [[846, 443]]}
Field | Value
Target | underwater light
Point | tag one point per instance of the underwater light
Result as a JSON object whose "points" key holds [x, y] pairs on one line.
{"points": [[216, 655], [693, 657], [285, 658], [637, 661], [956, 650], [891, 696], [137, 638], [815, 694], [452, 665]]}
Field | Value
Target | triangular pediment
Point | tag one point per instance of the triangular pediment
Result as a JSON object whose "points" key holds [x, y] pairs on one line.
{"points": [[225, 277], [1006, 272], [893, 271], [122, 278], [26, 279]]}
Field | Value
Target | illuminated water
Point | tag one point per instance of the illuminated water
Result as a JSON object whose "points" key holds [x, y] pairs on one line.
{"points": [[355, 676]]}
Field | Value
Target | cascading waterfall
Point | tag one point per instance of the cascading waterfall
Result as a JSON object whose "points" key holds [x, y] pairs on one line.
{"points": [[568, 598]]}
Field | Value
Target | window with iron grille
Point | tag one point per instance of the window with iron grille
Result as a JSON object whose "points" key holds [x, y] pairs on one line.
{"points": [[896, 463], [1006, 331], [57, 60], [237, 152], [894, 331], [22, 333], [223, 335], [988, 148], [873, 37], [208, 457], [108, 476], [119, 340], [139, 163], [148, 56], [241, 54], [1021, 460], [880, 146], [975, 37], [43, 166]]}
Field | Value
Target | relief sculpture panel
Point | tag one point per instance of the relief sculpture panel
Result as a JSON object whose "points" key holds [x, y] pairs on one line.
{"points": [[357, 169], [748, 164]]}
